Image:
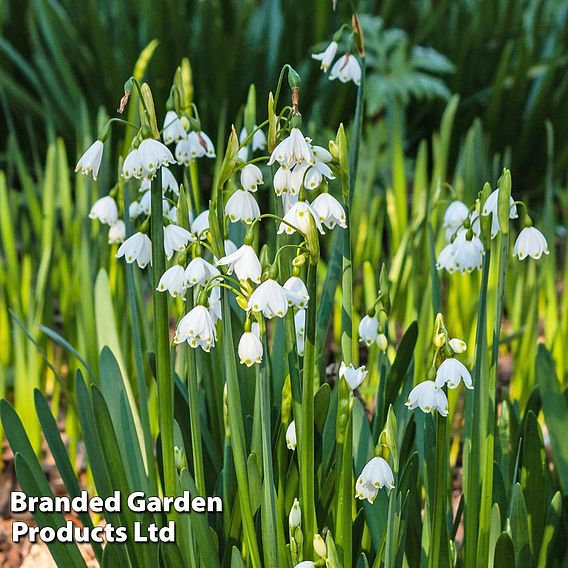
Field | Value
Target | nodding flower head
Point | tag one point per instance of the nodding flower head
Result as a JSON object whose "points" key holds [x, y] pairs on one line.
{"points": [[197, 328], [530, 242], [346, 69], [326, 57], [90, 162], [428, 397], [375, 475], [137, 248]]}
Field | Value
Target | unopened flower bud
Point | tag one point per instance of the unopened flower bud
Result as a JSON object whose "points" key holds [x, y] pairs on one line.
{"points": [[299, 260], [439, 340], [457, 345], [334, 150], [295, 517], [179, 457], [319, 546], [382, 342]]}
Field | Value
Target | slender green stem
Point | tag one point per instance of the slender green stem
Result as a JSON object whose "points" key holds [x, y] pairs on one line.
{"points": [[307, 465], [162, 341], [138, 358], [194, 414], [475, 424], [269, 531], [438, 554], [194, 176]]}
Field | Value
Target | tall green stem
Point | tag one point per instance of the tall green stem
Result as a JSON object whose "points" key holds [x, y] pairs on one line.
{"points": [[138, 358], [162, 340], [475, 427], [307, 463], [194, 414]]}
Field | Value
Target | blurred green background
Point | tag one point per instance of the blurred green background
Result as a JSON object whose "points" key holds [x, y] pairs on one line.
{"points": [[506, 59]]}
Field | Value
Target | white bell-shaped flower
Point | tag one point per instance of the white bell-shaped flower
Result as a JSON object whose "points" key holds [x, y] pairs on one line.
{"points": [[90, 162], [173, 281], [242, 206], [244, 263], [200, 145], [270, 298], [251, 177], [300, 327], [146, 204], [173, 130], [197, 328], [297, 292], [330, 211], [305, 564], [105, 210], [321, 154], [491, 206], [375, 475], [454, 217], [368, 329], [183, 152], [354, 376], [250, 349], [326, 57], [428, 397], [451, 372], [281, 181], [445, 260], [137, 248], [346, 69], [467, 253], [131, 166], [199, 272], [291, 440], [292, 150], [117, 232], [530, 242], [152, 154], [169, 182], [176, 238], [296, 178], [135, 210], [200, 224], [298, 217]]}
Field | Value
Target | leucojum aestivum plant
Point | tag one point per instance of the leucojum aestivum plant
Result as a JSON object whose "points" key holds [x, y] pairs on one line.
{"points": [[342, 466]]}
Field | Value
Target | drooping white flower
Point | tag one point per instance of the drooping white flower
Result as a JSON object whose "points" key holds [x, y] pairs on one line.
{"points": [[291, 440], [299, 217], [242, 206], [251, 177], [326, 57], [145, 204], [451, 372], [428, 397], [200, 145], [321, 154], [445, 259], [244, 263], [105, 210], [270, 298], [297, 292], [467, 253], [197, 328], [300, 326], [169, 181], [199, 272], [137, 248], [152, 154], [329, 210], [454, 217], [296, 177], [346, 69], [117, 232], [457, 345], [295, 516], [315, 174], [288, 201], [258, 142], [375, 475], [491, 205], [292, 150], [353, 375], [183, 152], [382, 342], [530, 242], [250, 349], [90, 162], [200, 224], [368, 329], [173, 130], [305, 564], [173, 281], [176, 238], [281, 181], [135, 210]]}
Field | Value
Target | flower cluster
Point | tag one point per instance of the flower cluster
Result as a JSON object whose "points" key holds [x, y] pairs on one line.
{"points": [[346, 68], [464, 249]]}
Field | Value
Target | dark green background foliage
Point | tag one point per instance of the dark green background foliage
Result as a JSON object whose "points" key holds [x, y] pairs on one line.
{"points": [[507, 59]]}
